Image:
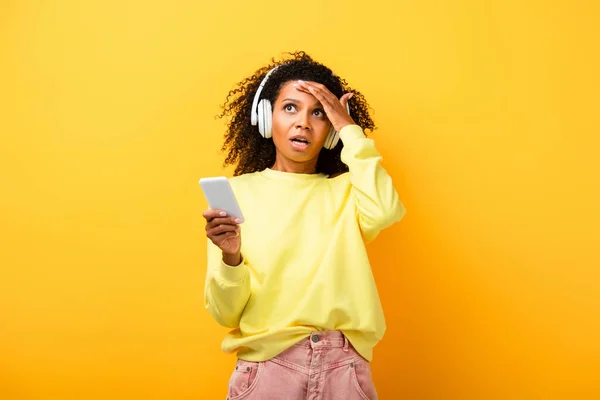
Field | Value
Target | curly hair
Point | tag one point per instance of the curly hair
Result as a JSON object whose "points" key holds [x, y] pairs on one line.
{"points": [[244, 144]]}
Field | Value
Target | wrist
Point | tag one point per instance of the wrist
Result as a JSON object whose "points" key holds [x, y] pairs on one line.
{"points": [[232, 259], [338, 127]]}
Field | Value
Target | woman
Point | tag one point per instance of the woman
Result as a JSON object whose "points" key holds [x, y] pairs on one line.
{"points": [[295, 283]]}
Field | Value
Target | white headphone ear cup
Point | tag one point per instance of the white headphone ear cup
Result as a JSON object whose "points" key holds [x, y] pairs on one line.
{"points": [[253, 116], [260, 119], [335, 137], [262, 109], [268, 113], [330, 138]]}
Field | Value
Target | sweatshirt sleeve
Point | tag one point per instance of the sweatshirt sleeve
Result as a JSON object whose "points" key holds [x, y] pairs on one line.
{"points": [[376, 199], [227, 289]]}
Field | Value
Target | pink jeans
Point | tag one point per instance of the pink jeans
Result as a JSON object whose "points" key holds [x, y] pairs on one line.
{"points": [[324, 366]]}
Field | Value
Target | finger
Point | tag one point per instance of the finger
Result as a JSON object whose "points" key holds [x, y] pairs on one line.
{"points": [[222, 221], [219, 229], [221, 239], [318, 90], [334, 103], [321, 93], [228, 235], [328, 104], [210, 214], [319, 86], [303, 87], [323, 90], [344, 100]]}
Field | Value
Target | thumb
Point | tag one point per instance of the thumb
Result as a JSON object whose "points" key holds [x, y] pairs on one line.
{"points": [[344, 99]]}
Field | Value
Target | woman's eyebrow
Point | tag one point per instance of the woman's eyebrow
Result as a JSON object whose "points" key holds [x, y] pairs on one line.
{"points": [[317, 104]]}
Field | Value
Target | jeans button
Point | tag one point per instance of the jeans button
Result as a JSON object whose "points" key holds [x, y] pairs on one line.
{"points": [[315, 338]]}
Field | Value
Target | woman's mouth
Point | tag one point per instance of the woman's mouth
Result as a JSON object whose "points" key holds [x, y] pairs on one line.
{"points": [[299, 143]]}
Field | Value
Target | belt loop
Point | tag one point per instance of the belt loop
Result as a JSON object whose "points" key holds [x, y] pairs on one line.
{"points": [[345, 343]]}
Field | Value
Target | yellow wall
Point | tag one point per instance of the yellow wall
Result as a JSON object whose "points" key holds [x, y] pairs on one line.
{"points": [[489, 124]]}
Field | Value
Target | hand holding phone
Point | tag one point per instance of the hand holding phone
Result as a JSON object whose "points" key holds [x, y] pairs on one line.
{"points": [[223, 218], [219, 196], [224, 232]]}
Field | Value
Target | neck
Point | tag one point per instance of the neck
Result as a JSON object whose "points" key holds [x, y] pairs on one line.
{"points": [[285, 165]]}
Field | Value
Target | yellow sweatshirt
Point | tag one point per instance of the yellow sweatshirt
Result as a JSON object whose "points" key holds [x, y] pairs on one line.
{"points": [[305, 266]]}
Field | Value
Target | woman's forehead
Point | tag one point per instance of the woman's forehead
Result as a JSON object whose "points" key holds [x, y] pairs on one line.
{"points": [[289, 92]]}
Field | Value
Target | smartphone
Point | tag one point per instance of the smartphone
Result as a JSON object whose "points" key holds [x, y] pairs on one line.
{"points": [[219, 195]]}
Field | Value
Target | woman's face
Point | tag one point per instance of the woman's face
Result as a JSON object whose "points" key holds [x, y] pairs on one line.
{"points": [[300, 125]]}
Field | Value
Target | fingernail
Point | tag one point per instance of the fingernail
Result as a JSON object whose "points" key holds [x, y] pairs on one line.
{"points": [[237, 220], [301, 81], [351, 95], [222, 213]]}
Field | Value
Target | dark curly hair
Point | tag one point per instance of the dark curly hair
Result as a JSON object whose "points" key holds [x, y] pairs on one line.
{"points": [[244, 144]]}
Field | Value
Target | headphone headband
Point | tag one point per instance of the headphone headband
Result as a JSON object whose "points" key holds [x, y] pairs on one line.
{"points": [[254, 115]]}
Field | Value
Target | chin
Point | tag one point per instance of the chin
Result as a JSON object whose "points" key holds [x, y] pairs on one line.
{"points": [[301, 158], [298, 155]]}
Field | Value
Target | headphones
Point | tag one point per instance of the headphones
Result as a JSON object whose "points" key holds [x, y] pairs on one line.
{"points": [[262, 115]]}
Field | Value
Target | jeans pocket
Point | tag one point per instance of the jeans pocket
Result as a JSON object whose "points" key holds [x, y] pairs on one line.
{"points": [[363, 380], [243, 379]]}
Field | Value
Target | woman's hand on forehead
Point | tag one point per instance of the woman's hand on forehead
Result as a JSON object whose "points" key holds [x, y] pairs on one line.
{"points": [[334, 108]]}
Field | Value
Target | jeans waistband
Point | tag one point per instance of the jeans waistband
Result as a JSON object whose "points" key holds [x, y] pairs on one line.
{"points": [[325, 339]]}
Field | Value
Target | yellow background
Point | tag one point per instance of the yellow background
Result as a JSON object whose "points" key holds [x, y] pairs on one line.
{"points": [[489, 116]]}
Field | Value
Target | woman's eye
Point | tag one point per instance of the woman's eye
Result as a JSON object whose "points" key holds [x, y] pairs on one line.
{"points": [[289, 107], [319, 113]]}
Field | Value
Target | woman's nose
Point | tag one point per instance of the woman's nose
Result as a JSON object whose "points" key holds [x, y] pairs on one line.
{"points": [[302, 121]]}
